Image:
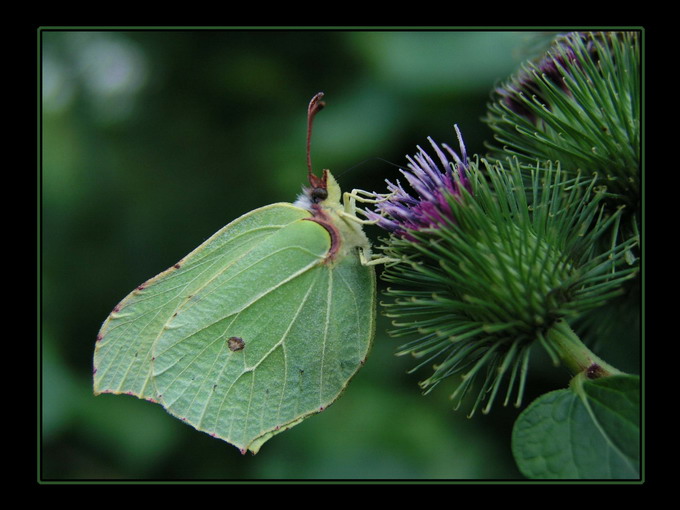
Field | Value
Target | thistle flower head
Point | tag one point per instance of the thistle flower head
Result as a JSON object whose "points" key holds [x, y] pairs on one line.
{"points": [[578, 104], [433, 182], [552, 66], [489, 266]]}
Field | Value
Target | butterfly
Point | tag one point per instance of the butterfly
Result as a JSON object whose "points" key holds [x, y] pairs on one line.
{"points": [[258, 328]]}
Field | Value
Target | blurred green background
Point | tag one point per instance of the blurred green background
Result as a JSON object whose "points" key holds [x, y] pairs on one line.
{"points": [[155, 139]]}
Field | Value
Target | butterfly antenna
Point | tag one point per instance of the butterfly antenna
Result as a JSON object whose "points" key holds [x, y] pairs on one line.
{"points": [[315, 105]]}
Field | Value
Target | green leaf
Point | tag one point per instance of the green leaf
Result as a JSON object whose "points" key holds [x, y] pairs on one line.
{"points": [[614, 405], [260, 327], [589, 431]]}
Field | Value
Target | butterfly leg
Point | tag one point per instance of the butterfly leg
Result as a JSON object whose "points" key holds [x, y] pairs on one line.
{"points": [[349, 200], [370, 260]]}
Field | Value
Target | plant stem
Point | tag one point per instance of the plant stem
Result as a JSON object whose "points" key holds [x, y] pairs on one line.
{"points": [[575, 355]]}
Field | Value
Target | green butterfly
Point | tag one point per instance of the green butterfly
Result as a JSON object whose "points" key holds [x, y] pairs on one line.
{"points": [[258, 328]]}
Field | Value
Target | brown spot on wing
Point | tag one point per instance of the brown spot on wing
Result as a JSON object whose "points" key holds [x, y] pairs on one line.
{"points": [[236, 343]]}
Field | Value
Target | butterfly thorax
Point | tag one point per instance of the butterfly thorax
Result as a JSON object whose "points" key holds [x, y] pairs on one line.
{"points": [[325, 205]]}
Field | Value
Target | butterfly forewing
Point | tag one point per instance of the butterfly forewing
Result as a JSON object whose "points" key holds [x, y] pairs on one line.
{"points": [[248, 334]]}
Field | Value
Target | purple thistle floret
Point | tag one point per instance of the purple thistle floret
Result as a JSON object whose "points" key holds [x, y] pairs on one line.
{"points": [[432, 183]]}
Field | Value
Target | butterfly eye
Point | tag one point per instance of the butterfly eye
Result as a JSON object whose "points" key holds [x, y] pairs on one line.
{"points": [[318, 195]]}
